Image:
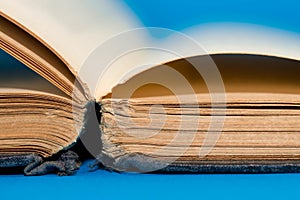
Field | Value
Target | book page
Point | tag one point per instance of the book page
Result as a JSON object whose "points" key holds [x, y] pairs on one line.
{"points": [[98, 40], [70, 28], [197, 41]]}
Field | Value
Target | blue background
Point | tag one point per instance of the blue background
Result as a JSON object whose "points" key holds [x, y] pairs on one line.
{"points": [[177, 15], [180, 14]]}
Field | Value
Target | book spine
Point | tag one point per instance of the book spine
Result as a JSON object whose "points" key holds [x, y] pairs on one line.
{"points": [[144, 164], [89, 141], [232, 168]]}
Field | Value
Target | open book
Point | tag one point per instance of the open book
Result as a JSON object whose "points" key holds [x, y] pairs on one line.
{"points": [[161, 104]]}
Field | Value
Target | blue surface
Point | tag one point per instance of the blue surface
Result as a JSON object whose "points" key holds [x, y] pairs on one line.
{"points": [[106, 185], [174, 14]]}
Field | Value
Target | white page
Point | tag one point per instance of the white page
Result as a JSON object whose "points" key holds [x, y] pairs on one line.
{"points": [[71, 27]]}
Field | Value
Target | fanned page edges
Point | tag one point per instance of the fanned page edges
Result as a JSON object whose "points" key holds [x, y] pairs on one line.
{"points": [[260, 132], [37, 122], [54, 126], [28, 50]]}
